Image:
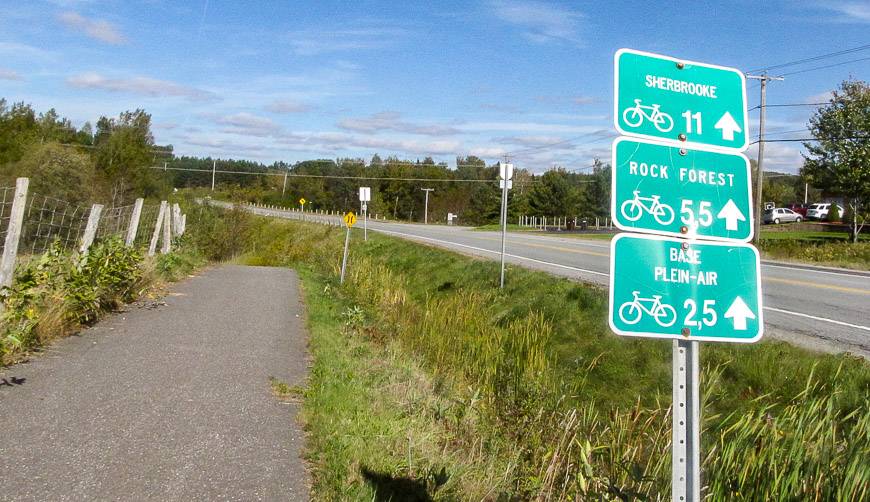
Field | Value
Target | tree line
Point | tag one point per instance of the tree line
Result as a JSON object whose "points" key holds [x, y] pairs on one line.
{"points": [[114, 161]]}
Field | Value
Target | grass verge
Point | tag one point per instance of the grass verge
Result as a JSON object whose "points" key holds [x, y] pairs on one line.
{"points": [[565, 407]]}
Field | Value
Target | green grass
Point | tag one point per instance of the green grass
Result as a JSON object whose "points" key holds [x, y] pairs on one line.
{"points": [[540, 364]]}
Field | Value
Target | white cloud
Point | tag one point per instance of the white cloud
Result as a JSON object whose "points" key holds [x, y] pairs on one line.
{"points": [[542, 22], [145, 86], [849, 12], [287, 106], [248, 124], [319, 41], [9, 75], [13, 49], [535, 127], [97, 29], [392, 121]]}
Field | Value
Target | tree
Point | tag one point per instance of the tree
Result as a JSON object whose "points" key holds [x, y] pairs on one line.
{"points": [[59, 171], [124, 154], [838, 161], [553, 195]]}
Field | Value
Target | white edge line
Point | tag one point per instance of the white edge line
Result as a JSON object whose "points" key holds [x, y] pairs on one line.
{"points": [[558, 265], [841, 323], [816, 271], [610, 292]]}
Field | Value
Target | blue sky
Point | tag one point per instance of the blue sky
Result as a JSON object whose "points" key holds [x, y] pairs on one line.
{"points": [[297, 80]]}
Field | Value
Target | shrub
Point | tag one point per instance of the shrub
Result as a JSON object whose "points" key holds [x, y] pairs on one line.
{"points": [[833, 213]]}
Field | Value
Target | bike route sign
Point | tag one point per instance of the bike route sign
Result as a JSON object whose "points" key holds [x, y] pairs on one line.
{"points": [[678, 100], [661, 188], [673, 288]]}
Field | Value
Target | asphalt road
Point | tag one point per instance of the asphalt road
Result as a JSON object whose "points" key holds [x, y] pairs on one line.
{"points": [[821, 309], [165, 402]]}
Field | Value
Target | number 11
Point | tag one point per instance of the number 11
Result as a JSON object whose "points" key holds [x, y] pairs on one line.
{"points": [[689, 116]]}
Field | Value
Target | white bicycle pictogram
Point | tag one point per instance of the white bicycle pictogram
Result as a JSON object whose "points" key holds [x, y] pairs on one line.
{"points": [[634, 116], [631, 312], [634, 208]]}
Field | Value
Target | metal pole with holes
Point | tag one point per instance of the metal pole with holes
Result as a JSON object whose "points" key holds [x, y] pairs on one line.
{"points": [[686, 414]]}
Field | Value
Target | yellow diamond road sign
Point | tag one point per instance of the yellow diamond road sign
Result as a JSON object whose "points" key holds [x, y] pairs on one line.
{"points": [[350, 219], [302, 201]]}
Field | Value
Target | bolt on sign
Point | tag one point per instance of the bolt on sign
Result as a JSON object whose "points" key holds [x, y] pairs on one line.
{"points": [[662, 188], [673, 288], [661, 97], [350, 219]]}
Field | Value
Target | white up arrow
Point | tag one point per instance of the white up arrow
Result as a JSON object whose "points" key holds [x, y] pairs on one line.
{"points": [[728, 126], [739, 312], [731, 214]]}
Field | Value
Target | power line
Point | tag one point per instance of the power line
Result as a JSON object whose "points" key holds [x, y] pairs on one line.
{"points": [[814, 58], [327, 176], [826, 66], [808, 139], [780, 105]]}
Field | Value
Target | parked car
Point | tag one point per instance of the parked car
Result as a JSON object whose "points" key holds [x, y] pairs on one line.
{"points": [[779, 215], [820, 211], [800, 209]]}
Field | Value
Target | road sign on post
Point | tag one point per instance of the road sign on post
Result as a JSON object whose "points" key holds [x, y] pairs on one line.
{"points": [[667, 189], [663, 287], [691, 182], [678, 100], [506, 173], [349, 221]]}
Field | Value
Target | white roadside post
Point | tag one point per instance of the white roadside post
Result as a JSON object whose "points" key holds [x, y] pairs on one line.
{"points": [[365, 196], [349, 220], [134, 222], [91, 228], [13, 232], [506, 174]]}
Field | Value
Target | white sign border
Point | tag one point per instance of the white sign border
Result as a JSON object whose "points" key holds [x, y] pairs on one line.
{"points": [[636, 334], [690, 144], [613, 205]]}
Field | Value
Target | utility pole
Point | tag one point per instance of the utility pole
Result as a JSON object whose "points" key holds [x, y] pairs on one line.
{"points": [[213, 170], [759, 178], [426, 207]]}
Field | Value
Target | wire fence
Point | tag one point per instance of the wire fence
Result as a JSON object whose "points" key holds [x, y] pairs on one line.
{"points": [[47, 220], [114, 221], [147, 221]]}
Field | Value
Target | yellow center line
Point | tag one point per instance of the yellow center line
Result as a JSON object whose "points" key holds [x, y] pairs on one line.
{"points": [[816, 285]]}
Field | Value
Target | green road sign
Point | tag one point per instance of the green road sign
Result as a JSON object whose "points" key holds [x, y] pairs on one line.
{"points": [[662, 287], [664, 189], [663, 97]]}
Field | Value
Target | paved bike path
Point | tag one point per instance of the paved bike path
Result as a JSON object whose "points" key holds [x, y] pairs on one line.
{"points": [[165, 403]]}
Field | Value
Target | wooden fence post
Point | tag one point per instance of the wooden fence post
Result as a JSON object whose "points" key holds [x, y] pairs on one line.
{"points": [[13, 232], [134, 222], [176, 219], [91, 228], [157, 226], [167, 232]]}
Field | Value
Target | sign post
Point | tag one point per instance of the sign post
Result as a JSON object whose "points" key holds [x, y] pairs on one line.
{"points": [[506, 174], [302, 205], [681, 182], [349, 221], [365, 196]]}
